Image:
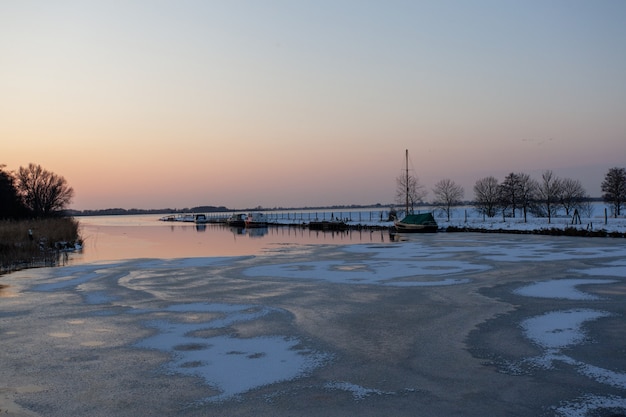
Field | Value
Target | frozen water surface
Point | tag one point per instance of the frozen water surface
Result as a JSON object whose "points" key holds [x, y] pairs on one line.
{"points": [[357, 391], [399, 273], [232, 365], [243, 323]]}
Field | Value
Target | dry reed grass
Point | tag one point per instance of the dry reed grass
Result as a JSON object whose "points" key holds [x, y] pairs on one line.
{"points": [[18, 250]]}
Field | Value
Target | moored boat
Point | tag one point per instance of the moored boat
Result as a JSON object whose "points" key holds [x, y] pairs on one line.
{"points": [[236, 220], [189, 218], [414, 223], [200, 219], [417, 223], [256, 219]]}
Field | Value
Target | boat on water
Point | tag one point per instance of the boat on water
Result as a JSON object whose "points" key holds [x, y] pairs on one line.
{"points": [[256, 219], [414, 223], [186, 218], [200, 219], [189, 218], [236, 220], [417, 223]]}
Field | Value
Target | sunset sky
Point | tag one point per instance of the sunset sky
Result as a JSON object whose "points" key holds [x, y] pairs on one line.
{"points": [[287, 103]]}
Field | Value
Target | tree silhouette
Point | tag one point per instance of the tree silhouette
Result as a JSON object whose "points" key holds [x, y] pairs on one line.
{"points": [[447, 194], [487, 196], [614, 189], [510, 193], [527, 192], [549, 194], [409, 190], [42, 191], [573, 195], [11, 206]]}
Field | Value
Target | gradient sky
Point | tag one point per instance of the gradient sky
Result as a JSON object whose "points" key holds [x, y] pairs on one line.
{"points": [[152, 104]]}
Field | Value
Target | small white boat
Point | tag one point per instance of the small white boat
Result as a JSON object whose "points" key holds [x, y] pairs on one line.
{"points": [[256, 220], [190, 218], [200, 219], [237, 220]]}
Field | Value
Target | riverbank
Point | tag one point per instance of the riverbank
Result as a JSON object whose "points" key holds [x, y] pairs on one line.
{"points": [[462, 219], [486, 228], [36, 242], [553, 231], [560, 226], [593, 226]]}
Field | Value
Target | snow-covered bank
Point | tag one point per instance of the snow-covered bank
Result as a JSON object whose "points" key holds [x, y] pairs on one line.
{"points": [[591, 227], [597, 222]]}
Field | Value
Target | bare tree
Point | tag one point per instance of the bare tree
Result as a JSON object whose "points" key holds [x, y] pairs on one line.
{"points": [[573, 195], [42, 191], [614, 189], [487, 197], [447, 194], [510, 193], [586, 208], [527, 192], [409, 191], [549, 194]]}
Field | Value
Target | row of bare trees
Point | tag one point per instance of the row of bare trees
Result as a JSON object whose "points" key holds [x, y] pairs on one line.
{"points": [[519, 193], [32, 191], [447, 193]]}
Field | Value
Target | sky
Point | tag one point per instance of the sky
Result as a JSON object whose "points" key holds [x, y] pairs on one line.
{"points": [[277, 103]]}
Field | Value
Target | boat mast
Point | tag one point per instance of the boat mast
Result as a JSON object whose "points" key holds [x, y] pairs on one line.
{"points": [[406, 196]]}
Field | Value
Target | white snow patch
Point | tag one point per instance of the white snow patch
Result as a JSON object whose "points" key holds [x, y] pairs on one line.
{"points": [[561, 289], [560, 329], [229, 364], [604, 376]]}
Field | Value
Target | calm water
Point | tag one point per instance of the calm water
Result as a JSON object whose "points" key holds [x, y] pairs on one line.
{"points": [[109, 238]]}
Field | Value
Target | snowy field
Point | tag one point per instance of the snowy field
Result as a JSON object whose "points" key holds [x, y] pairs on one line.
{"points": [[595, 219], [444, 324]]}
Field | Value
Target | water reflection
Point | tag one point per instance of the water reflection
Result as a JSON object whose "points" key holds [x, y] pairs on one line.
{"points": [[256, 231], [120, 238]]}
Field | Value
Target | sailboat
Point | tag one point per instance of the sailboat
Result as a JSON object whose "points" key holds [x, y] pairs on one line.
{"points": [[414, 223]]}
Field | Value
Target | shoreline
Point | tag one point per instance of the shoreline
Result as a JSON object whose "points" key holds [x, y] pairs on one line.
{"points": [[552, 231], [28, 243], [570, 232]]}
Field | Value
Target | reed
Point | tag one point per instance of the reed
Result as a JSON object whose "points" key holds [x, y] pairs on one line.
{"points": [[20, 249]]}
